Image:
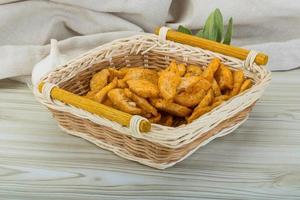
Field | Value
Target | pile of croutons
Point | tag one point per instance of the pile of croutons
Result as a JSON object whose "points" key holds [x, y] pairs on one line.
{"points": [[176, 95]]}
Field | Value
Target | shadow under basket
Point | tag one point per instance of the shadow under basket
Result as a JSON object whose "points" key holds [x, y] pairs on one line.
{"points": [[163, 146]]}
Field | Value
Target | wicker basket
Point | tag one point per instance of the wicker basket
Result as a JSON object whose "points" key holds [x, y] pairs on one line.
{"points": [[163, 146]]}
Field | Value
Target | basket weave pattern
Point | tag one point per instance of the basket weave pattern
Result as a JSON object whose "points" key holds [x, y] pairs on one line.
{"points": [[163, 146]]}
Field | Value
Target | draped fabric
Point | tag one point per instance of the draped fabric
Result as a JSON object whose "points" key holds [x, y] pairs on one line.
{"points": [[26, 27]]}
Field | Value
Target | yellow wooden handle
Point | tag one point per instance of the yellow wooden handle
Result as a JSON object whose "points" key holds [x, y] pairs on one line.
{"points": [[237, 52], [95, 107]]}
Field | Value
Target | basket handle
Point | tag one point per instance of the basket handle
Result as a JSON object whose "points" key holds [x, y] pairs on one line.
{"points": [[94, 107], [237, 52]]}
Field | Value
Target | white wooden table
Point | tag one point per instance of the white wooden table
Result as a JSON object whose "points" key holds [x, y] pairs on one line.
{"points": [[260, 160]]}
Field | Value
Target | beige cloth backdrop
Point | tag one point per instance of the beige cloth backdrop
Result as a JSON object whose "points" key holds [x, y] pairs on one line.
{"points": [[26, 27]]}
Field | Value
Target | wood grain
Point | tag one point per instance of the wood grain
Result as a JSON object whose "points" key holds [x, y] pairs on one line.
{"points": [[260, 160]]}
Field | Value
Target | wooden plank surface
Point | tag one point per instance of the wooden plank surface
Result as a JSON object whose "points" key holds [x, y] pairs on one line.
{"points": [[260, 160]]}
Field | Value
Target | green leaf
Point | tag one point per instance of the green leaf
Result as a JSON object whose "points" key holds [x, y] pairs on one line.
{"points": [[208, 30], [183, 29], [213, 28], [228, 34], [218, 24], [200, 33]]}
